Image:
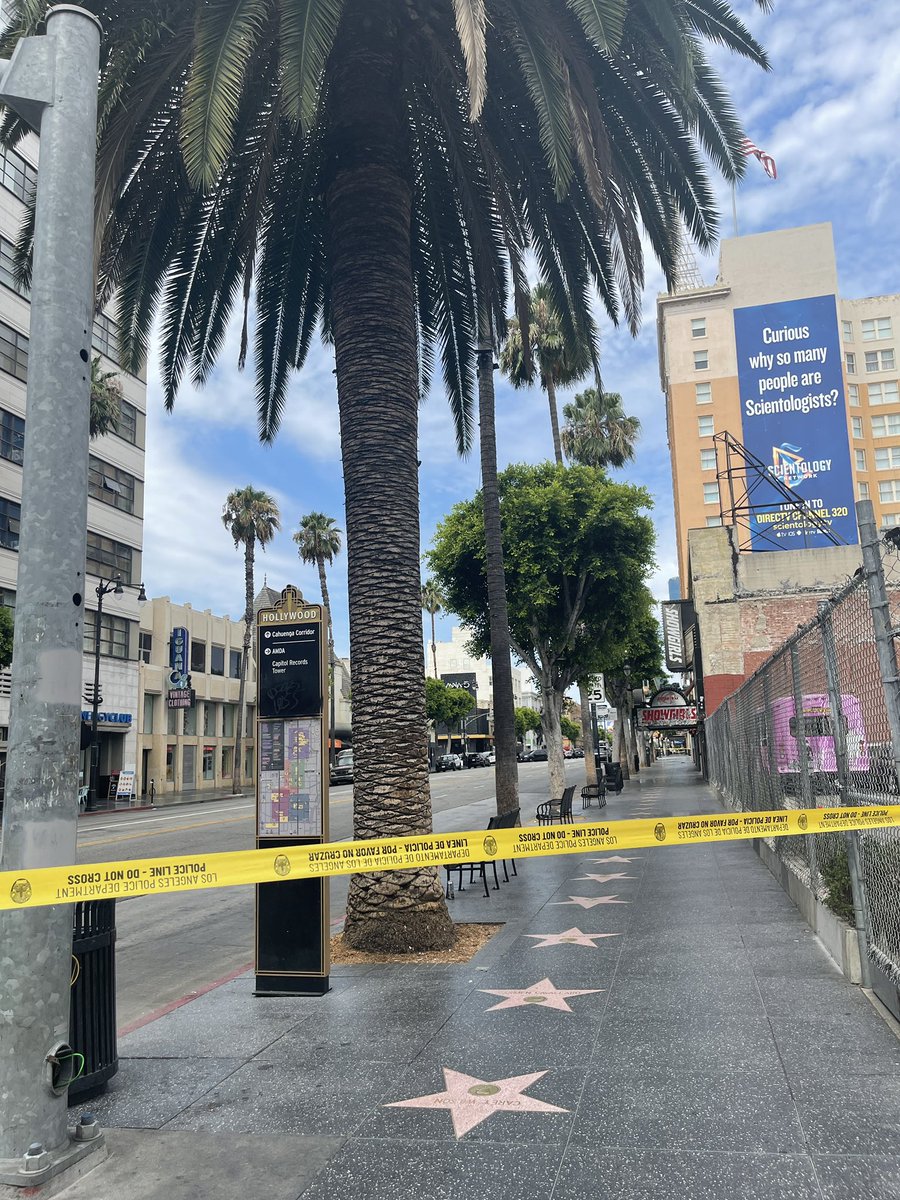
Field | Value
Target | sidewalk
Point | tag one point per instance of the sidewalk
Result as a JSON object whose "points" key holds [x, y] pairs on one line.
{"points": [[167, 800], [694, 1043]]}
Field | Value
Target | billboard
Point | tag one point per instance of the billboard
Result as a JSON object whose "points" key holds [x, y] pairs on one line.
{"points": [[673, 638], [793, 412]]}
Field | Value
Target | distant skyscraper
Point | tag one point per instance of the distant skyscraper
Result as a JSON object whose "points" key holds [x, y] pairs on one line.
{"points": [[675, 588]]}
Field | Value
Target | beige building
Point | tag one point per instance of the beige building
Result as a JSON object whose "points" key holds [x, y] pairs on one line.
{"points": [[192, 748], [454, 658], [699, 375]]}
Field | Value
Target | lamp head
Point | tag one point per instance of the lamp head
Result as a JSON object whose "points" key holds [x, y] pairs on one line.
{"points": [[118, 590], [142, 596]]}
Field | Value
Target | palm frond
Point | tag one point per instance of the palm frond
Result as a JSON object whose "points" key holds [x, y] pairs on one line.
{"points": [[307, 30], [717, 22], [471, 22], [603, 20]]}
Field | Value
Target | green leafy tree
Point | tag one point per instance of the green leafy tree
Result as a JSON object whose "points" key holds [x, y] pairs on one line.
{"points": [[526, 720], [577, 549], [252, 519], [570, 729], [6, 636], [432, 603], [638, 656], [446, 705], [360, 170], [598, 432], [318, 541]]}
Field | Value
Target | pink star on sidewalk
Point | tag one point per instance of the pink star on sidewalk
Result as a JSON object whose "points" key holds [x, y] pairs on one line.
{"points": [[617, 858], [542, 993], [591, 901], [472, 1100], [603, 878], [571, 937]]}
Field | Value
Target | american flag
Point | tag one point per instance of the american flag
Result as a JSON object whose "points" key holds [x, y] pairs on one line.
{"points": [[768, 162]]}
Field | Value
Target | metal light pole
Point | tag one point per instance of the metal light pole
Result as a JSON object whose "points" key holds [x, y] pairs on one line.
{"points": [[103, 588], [51, 81]]}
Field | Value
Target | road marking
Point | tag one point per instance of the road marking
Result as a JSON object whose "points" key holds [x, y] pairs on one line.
{"points": [[129, 837], [156, 820]]}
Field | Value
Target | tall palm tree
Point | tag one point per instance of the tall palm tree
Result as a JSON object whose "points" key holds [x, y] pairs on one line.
{"points": [[597, 432], [318, 541], [356, 167], [106, 399], [561, 359], [432, 602], [252, 518]]}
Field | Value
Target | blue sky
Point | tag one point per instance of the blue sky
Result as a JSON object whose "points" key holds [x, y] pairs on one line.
{"points": [[827, 112]]}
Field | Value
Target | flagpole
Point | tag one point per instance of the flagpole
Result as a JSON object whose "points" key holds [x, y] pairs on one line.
{"points": [[734, 209]]}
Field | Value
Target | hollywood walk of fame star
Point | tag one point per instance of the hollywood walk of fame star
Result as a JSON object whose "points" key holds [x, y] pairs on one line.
{"points": [[542, 994], [603, 878], [571, 937], [591, 901], [471, 1100], [617, 858]]}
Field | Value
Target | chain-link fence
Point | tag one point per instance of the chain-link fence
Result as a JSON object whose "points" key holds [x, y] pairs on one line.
{"points": [[813, 727]]}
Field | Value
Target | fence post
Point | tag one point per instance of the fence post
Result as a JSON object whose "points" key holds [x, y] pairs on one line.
{"points": [[806, 796], [860, 903], [881, 622]]}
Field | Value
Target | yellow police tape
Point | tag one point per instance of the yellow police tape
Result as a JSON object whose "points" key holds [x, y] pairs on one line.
{"points": [[163, 876]]}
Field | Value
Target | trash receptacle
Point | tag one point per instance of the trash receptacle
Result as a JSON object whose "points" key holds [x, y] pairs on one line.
{"points": [[92, 1009], [614, 779]]}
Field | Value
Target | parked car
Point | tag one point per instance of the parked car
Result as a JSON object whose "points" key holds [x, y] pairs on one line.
{"points": [[538, 754], [449, 762], [484, 758], [342, 768]]}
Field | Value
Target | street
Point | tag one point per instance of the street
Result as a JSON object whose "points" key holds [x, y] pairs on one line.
{"points": [[173, 946]]}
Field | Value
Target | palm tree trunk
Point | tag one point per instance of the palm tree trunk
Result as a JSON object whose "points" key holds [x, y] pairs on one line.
{"points": [[554, 420], [323, 585], [368, 207], [506, 775], [587, 734], [433, 647], [237, 765]]}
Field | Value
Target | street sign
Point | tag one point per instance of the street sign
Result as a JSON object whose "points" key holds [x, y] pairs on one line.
{"points": [[668, 709], [292, 926]]}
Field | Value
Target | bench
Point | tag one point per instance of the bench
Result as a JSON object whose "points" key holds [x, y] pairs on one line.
{"points": [[505, 821], [556, 810]]}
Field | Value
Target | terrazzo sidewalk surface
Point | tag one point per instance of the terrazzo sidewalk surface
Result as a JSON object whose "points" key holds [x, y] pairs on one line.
{"points": [[648, 1025]]}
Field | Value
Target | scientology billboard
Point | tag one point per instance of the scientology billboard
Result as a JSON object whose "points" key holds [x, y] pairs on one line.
{"points": [[794, 418]]}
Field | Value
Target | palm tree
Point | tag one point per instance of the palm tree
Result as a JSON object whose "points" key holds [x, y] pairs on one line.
{"points": [[561, 359], [106, 399], [318, 541], [251, 517], [432, 602], [597, 432], [356, 167]]}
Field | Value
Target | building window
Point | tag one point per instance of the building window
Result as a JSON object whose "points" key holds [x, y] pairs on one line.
{"points": [[227, 759], [856, 425], [209, 719], [707, 460], [228, 720], [863, 491], [172, 720], [703, 393], [234, 664], [706, 426], [108, 558], [198, 656], [13, 352], [8, 598], [879, 360], [887, 457], [145, 646], [110, 485], [12, 436], [847, 327], [190, 721], [209, 762], [17, 175], [106, 337], [113, 634], [876, 330], [890, 520], [886, 425], [701, 360], [713, 522], [149, 701], [884, 393], [853, 394], [850, 361], [698, 327], [8, 267], [126, 426], [710, 493], [888, 490], [861, 459], [217, 660], [170, 762], [10, 514]]}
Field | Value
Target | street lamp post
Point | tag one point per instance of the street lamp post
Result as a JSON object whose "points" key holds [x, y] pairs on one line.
{"points": [[103, 588]]}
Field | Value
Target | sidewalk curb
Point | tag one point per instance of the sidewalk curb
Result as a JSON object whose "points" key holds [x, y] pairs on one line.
{"points": [[143, 808]]}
